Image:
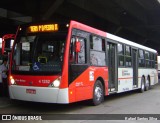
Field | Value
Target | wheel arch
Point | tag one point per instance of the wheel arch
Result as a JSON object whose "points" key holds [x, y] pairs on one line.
{"points": [[98, 87], [149, 81], [149, 78], [144, 77]]}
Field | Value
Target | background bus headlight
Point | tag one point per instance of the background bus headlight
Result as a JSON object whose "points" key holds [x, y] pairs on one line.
{"points": [[56, 83]]}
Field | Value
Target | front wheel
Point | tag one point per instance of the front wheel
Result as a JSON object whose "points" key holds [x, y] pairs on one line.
{"points": [[98, 93]]}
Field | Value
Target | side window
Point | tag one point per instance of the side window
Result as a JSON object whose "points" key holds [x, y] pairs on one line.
{"points": [[81, 56], [72, 50], [128, 58], [147, 59], [97, 51], [146, 55], [26, 52], [121, 54], [141, 58], [97, 43], [155, 61], [77, 57], [152, 60]]}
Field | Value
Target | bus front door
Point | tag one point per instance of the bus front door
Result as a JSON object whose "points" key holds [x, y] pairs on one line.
{"points": [[112, 67], [135, 67]]}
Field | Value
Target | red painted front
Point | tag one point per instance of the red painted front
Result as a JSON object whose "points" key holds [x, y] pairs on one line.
{"points": [[82, 87]]}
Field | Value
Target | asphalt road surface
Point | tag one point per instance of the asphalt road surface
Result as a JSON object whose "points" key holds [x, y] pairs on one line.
{"points": [[125, 107]]}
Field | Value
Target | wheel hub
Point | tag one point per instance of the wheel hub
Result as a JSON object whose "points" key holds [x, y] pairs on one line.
{"points": [[98, 93]]}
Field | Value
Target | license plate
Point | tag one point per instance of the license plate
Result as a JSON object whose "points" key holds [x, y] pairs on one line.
{"points": [[31, 91]]}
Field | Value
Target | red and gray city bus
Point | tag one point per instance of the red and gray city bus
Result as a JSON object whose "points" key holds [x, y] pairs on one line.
{"points": [[65, 63]]}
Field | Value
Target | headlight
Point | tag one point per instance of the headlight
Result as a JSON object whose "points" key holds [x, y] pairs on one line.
{"points": [[12, 81], [56, 83]]}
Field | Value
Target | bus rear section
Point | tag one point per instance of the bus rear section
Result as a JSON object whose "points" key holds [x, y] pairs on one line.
{"points": [[136, 65]]}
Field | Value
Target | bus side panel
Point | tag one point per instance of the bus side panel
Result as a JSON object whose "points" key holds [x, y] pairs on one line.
{"points": [[81, 88], [147, 72], [125, 79]]}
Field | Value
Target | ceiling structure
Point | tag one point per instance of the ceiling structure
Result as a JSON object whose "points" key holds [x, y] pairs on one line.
{"points": [[135, 20]]}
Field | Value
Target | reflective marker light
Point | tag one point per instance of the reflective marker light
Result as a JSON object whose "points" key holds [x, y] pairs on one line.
{"points": [[67, 25]]}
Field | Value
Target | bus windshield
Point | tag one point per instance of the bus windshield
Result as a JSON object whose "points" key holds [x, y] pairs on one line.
{"points": [[38, 54]]}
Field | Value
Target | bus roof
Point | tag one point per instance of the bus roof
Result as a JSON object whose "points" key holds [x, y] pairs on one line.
{"points": [[87, 28], [122, 40], [78, 25]]}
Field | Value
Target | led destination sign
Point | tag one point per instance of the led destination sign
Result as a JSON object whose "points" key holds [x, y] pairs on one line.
{"points": [[43, 28]]}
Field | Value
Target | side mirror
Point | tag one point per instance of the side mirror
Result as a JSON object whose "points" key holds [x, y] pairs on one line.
{"points": [[78, 46]]}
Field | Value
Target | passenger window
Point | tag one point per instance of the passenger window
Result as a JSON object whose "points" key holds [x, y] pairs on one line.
{"points": [[121, 54], [141, 58], [82, 54], [147, 59], [128, 58], [97, 51], [97, 43], [77, 57]]}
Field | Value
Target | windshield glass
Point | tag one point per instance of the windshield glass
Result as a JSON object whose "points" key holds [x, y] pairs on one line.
{"points": [[38, 54]]}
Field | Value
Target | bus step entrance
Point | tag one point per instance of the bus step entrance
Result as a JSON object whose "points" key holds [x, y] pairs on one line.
{"points": [[112, 91]]}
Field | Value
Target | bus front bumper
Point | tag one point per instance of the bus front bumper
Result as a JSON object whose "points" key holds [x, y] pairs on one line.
{"points": [[39, 94]]}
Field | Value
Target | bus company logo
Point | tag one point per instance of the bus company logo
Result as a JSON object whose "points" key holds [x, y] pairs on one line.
{"points": [[91, 75], [6, 117], [125, 73], [20, 80]]}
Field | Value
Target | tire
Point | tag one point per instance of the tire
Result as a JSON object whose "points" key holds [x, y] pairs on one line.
{"points": [[147, 84], [142, 85], [98, 93]]}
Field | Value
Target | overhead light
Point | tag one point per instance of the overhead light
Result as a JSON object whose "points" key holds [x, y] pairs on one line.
{"points": [[158, 1]]}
